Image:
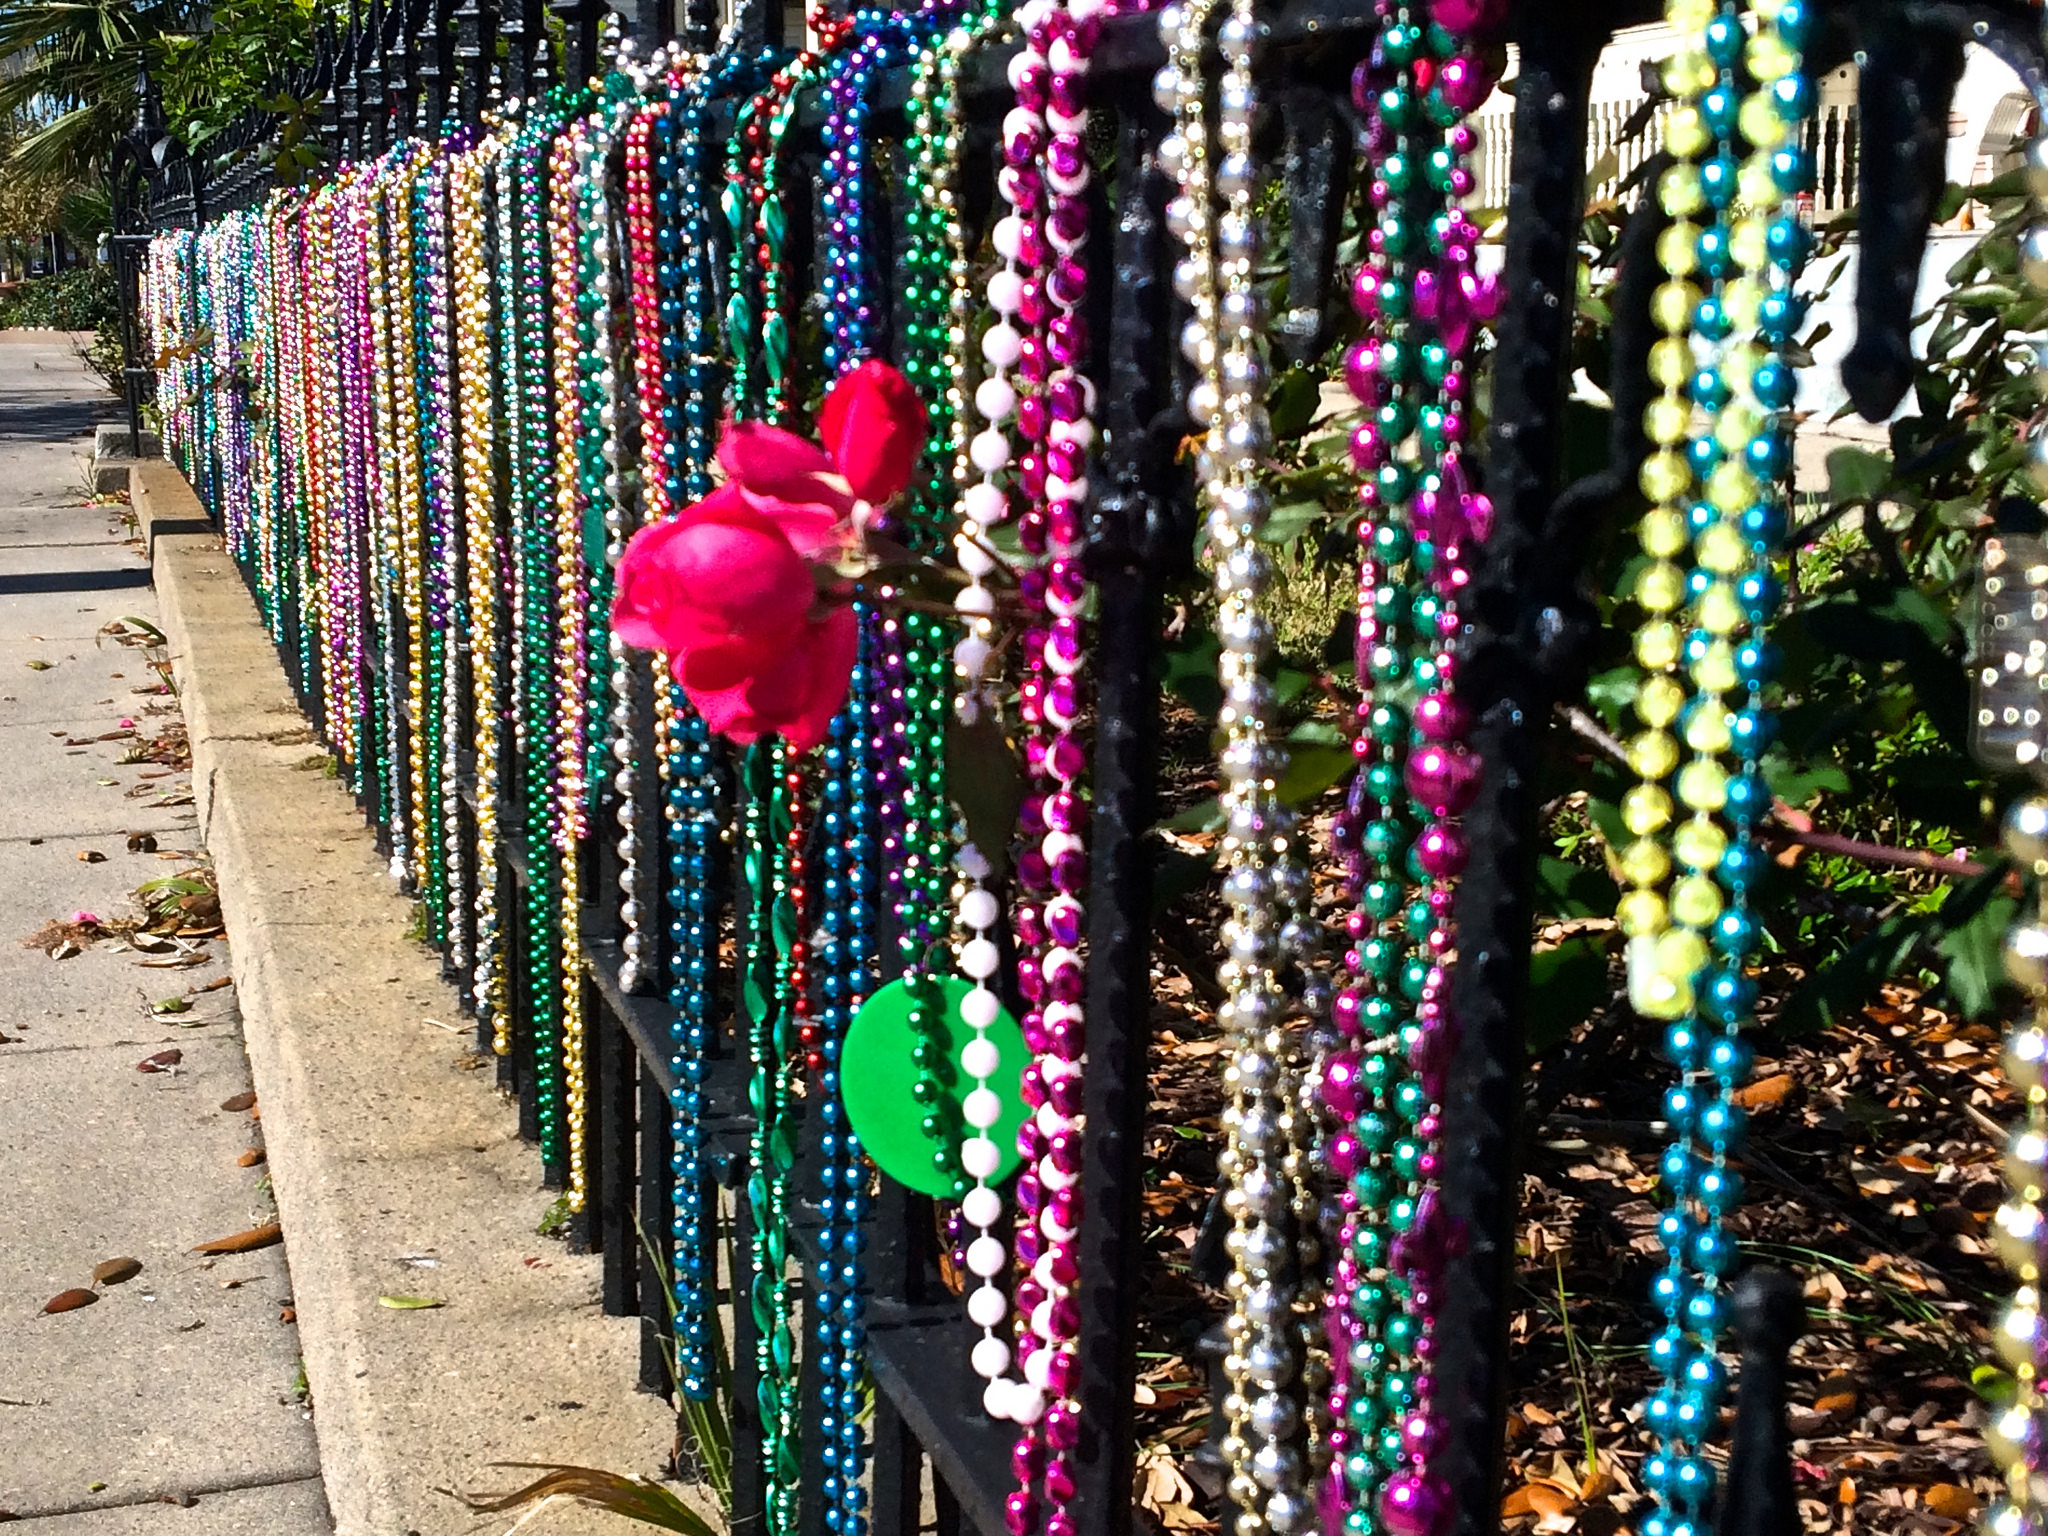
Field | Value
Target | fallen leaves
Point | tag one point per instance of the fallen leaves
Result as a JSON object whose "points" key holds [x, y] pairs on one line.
{"points": [[1765, 1092], [411, 1303], [91, 856], [162, 1061], [234, 1104], [1950, 1501], [245, 1242], [116, 1271], [1837, 1395], [71, 1300], [1165, 1492], [60, 939], [251, 1158]]}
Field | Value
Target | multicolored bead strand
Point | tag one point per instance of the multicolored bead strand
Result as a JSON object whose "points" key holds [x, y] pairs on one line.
{"points": [[1748, 255]]}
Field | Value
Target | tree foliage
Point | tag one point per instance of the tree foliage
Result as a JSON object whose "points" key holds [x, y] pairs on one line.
{"points": [[74, 94]]}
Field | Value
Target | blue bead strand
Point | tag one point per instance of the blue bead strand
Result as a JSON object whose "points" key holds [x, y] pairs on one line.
{"points": [[1708, 1046], [692, 820]]}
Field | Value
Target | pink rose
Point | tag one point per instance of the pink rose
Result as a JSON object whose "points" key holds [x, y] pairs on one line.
{"points": [[727, 588], [874, 427]]}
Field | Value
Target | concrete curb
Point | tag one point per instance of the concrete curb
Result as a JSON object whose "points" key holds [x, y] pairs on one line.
{"points": [[384, 1150]]}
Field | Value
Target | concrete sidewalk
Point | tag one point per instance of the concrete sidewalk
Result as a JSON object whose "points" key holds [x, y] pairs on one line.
{"points": [[171, 1405]]}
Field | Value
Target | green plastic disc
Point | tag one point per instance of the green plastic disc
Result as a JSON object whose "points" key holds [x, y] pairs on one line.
{"points": [[876, 1075]]}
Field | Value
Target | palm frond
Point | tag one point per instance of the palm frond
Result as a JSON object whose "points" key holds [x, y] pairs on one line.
{"points": [[68, 149], [634, 1497]]}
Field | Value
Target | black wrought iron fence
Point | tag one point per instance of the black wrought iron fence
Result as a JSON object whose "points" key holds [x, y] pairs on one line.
{"points": [[429, 66]]}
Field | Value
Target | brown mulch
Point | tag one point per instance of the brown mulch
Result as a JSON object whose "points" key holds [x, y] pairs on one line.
{"points": [[1872, 1168]]}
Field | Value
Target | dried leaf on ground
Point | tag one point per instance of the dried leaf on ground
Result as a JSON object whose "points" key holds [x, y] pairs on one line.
{"points": [[234, 1104], [115, 1271], [243, 1242], [71, 1300], [1950, 1501], [162, 1061], [251, 1158]]}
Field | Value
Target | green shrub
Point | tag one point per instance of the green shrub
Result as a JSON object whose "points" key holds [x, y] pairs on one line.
{"points": [[79, 300]]}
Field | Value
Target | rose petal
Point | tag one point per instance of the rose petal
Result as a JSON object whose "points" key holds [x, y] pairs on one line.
{"points": [[718, 572], [874, 426], [718, 691], [813, 529], [768, 461], [834, 644], [645, 594], [746, 692]]}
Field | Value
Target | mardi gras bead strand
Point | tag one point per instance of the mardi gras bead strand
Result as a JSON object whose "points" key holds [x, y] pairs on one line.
{"points": [[771, 1150], [849, 956], [410, 510], [580, 282], [642, 495], [446, 589], [1370, 1334], [947, 284], [538, 611], [1266, 1486], [480, 490], [689, 808], [1055, 423], [1446, 517], [985, 504], [1753, 258], [843, 961], [2017, 1438], [384, 503]]}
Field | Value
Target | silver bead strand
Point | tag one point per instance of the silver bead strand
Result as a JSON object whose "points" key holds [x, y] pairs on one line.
{"points": [[1262, 1367]]}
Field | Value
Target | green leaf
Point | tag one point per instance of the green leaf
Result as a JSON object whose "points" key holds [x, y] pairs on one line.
{"points": [[1291, 403], [986, 782], [1565, 985], [1310, 771], [1612, 692], [1566, 889], [1202, 816], [1845, 984], [1975, 970], [1993, 1386], [1288, 523], [1856, 474], [410, 1303], [1606, 818], [1851, 981], [1190, 670], [1799, 784], [1980, 294]]}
